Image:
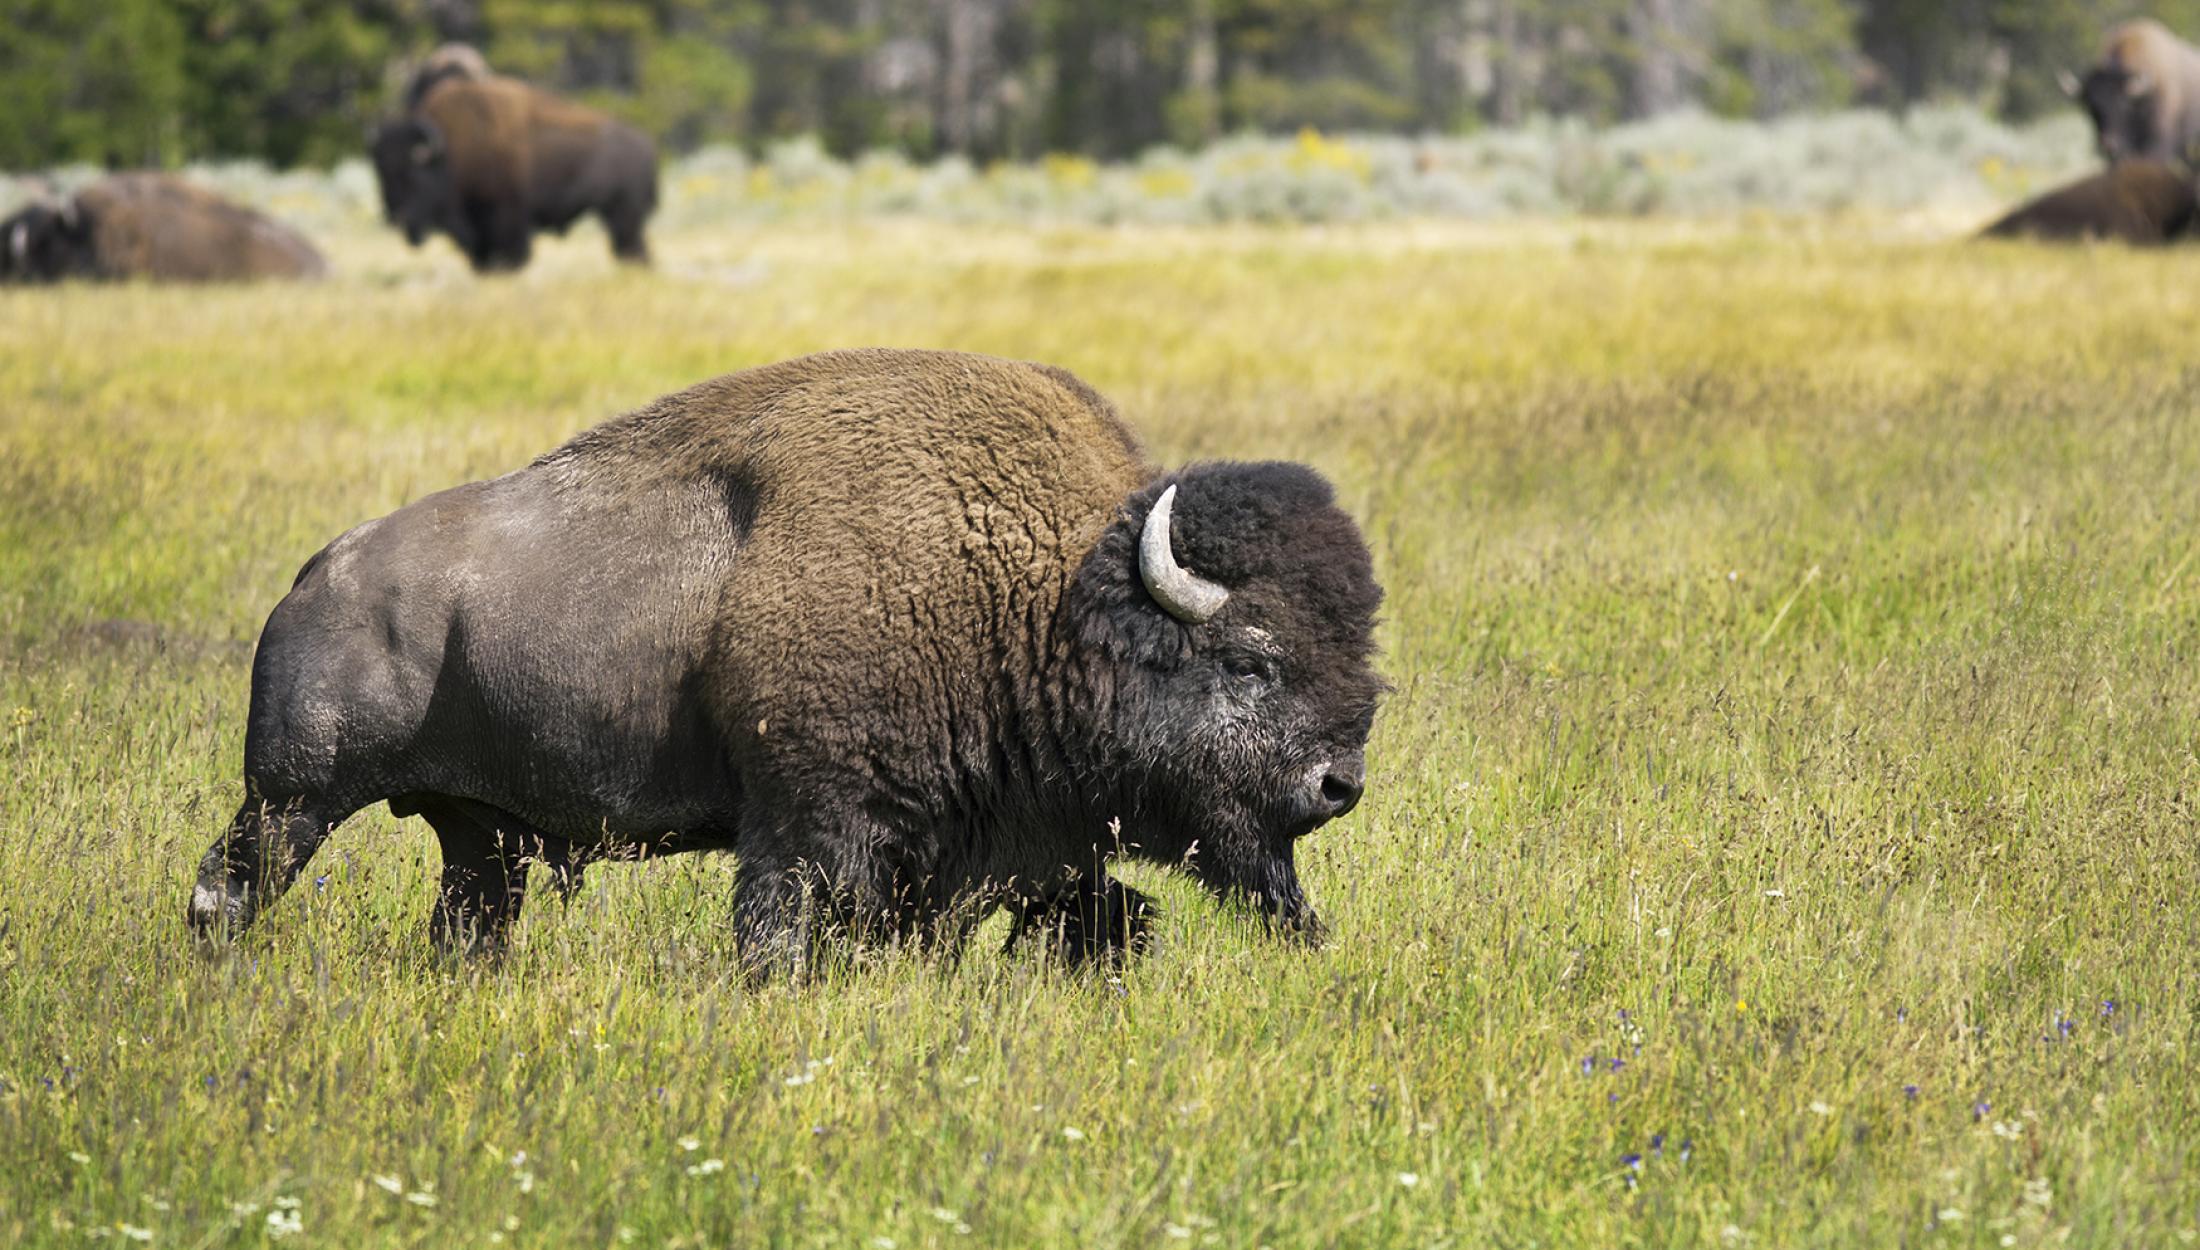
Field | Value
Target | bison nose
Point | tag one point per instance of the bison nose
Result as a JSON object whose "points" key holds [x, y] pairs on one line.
{"points": [[1342, 782]]}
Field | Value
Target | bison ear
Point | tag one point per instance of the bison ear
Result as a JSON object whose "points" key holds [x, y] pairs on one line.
{"points": [[2068, 82]]}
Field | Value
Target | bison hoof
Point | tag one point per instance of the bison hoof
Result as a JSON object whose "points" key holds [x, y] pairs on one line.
{"points": [[220, 910], [1104, 926]]}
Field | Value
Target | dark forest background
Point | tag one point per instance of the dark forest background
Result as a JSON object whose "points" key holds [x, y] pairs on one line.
{"points": [[297, 81]]}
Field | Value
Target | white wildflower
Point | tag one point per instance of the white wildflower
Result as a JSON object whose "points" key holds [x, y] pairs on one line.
{"points": [[391, 1183], [2009, 1130], [706, 1167], [511, 1223], [945, 1216], [281, 1224], [420, 1198], [2039, 1192], [244, 1210], [134, 1233], [1177, 1231], [286, 1204], [1950, 1215], [1820, 1108], [691, 1144], [525, 1181], [79, 1157], [970, 1080], [1409, 1179], [1073, 1134]]}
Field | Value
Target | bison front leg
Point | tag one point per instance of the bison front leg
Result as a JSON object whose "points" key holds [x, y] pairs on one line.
{"points": [[485, 862], [250, 866], [1096, 920]]}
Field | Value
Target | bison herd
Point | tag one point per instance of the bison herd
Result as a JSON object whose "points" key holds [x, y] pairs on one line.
{"points": [[919, 635], [485, 159], [2143, 96]]}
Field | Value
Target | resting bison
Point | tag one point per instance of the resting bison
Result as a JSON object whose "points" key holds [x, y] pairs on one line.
{"points": [[151, 226], [916, 634], [2143, 94], [489, 161], [2136, 202]]}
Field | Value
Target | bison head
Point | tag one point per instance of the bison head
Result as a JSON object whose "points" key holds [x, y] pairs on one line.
{"points": [[412, 168], [1235, 607], [2121, 103], [45, 243]]}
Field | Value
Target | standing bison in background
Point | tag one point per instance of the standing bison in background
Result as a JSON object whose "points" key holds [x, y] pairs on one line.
{"points": [[2143, 94], [2138, 202], [490, 160], [916, 634], [151, 226]]}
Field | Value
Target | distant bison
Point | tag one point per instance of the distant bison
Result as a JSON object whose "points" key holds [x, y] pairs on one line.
{"points": [[2143, 94], [2134, 202], [151, 226], [489, 161], [916, 634]]}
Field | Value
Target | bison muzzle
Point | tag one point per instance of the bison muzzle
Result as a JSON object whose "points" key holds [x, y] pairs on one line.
{"points": [[917, 635]]}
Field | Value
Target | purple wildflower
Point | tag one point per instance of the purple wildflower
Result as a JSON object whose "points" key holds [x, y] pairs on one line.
{"points": [[1901, 1014], [1588, 1065], [1980, 1110], [1910, 1092], [1618, 1063], [1611, 1099], [1687, 1148], [1657, 1144], [321, 882], [2108, 1006], [1633, 1161]]}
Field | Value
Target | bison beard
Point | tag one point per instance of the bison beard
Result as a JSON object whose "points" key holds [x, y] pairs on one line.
{"points": [[916, 634]]}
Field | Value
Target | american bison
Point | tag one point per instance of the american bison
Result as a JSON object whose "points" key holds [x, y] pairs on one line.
{"points": [[2135, 202], [151, 226], [916, 634], [491, 160], [2143, 94]]}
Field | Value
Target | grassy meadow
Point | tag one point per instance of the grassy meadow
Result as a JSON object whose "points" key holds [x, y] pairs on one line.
{"points": [[1783, 832]]}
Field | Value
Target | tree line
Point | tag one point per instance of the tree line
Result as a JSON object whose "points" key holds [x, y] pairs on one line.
{"points": [[134, 82]]}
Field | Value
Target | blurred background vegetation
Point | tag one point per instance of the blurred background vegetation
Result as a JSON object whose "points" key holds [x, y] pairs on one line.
{"points": [[289, 82]]}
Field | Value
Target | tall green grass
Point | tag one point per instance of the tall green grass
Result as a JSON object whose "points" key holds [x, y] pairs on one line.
{"points": [[1783, 831]]}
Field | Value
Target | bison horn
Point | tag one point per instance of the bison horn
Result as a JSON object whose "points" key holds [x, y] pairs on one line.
{"points": [[1184, 594], [2068, 82]]}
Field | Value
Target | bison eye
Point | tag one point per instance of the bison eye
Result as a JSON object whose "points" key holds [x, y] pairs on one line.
{"points": [[1245, 668]]}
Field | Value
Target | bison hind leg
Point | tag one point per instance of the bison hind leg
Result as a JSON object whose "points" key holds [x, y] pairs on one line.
{"points": [[1097, 920]]}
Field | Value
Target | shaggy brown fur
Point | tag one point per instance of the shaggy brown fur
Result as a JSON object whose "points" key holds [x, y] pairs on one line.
{"points": [[451, 61], [2140, 202], [875, 620], [157, 227], [489, 161], [2144, 94]]}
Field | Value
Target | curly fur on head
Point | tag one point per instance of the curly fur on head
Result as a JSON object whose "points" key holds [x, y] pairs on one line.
{"points": [[1268, 531]]}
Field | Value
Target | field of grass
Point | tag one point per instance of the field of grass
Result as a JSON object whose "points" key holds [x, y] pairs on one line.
{"points": [[1783, 831]]}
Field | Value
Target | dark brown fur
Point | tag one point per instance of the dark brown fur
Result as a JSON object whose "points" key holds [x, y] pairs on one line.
{"points": [[2139, 202], [155, 227]]}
